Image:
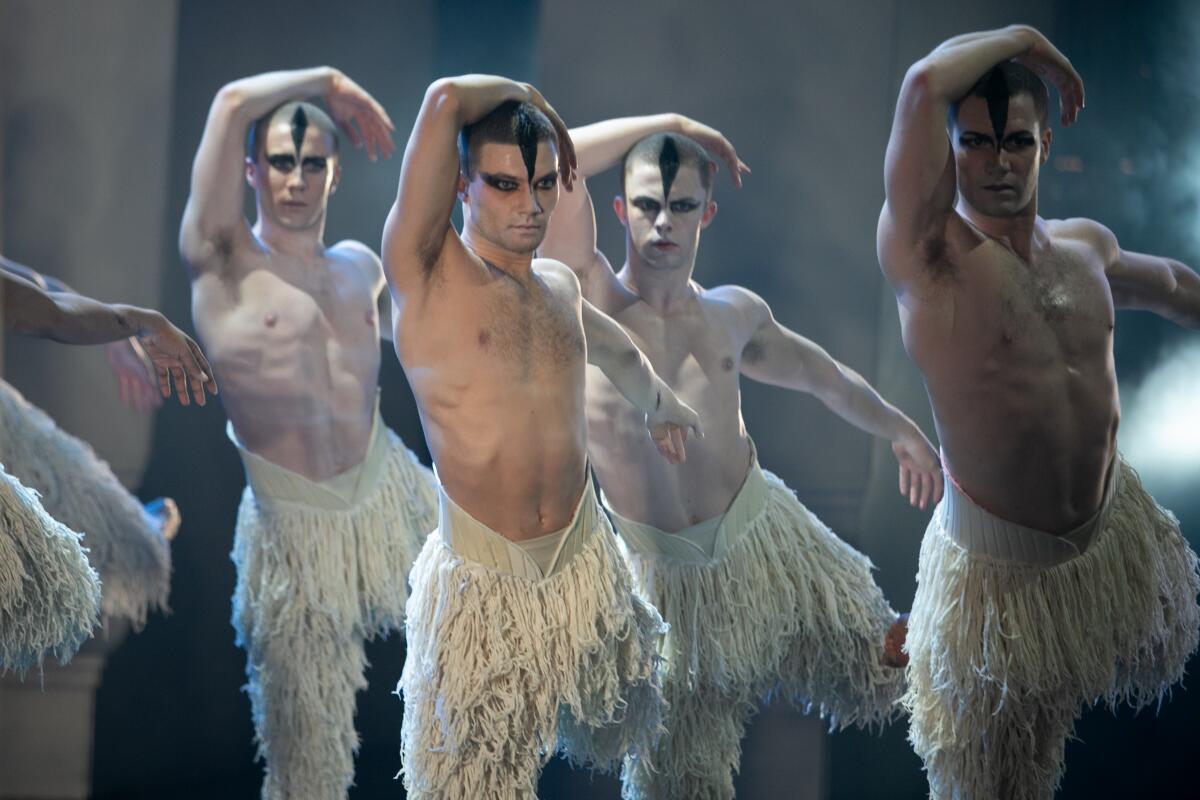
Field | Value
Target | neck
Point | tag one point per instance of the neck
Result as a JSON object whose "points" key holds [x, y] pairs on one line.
{"points": [[1018, 232], [304, 243], [515, 264], [664, 290]]}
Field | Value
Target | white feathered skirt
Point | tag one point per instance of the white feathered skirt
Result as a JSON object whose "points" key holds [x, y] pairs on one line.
{"points": [[505, 667], [780, 606], [321, 567], [79, 490], [1013, 631], [49, 594]]}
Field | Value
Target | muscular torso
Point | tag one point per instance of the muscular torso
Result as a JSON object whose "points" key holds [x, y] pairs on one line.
{"points": [[295, 345], [698, 351], [497, 367], [1018, 363]]}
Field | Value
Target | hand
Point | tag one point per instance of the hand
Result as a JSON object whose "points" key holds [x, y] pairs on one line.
{"points": [[360, 117], [717, 146], [175, 356], [669, 426], [1053, 67], [893, 643], [135, 374], [567, 162], [920, 470]]}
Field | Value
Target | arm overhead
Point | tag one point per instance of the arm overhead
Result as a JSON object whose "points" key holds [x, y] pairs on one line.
{"points": [[418, 226], [571, 237], [667, 417], [212, 221], [782, 357], [919, 177]]}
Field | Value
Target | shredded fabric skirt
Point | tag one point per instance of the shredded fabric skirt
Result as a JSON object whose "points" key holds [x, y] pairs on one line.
{"points": [[1013, 631], [321, 567], [49, 594], [79, 490], [507, 665], [775, 605]]}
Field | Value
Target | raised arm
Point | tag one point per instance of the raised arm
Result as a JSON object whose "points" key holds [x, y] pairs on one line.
{"points": [[781, 357], [667, 417], [72, 318], [919, 177], [418, 226], [571, 237], [213, 222]]}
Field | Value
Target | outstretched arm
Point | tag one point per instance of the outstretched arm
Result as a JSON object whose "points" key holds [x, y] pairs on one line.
{"points": [[212, 221], [782, 357], [1164, 286], [919, 178], [418, 226], [667, 417], [74, 319]]}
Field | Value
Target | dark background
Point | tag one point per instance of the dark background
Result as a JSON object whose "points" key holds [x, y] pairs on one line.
{"points": [[806, 92]]}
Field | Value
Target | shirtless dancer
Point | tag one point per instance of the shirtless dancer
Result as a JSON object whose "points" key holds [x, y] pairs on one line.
{"points": [[336, 506], [49, 594], [521, 605], [1049, 578], [761, 597]]}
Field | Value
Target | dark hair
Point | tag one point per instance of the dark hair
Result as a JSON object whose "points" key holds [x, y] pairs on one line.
{"points": [[1007, 79], [670, 151], [511, 122], [300, 115]]}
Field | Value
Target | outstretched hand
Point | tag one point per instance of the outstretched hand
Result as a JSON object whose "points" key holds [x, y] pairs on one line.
{"points": [[920, 470], [175, 356], [567, 161], [360, 117], [717, 146], [670, 424], [135, 374], [1053, 67]]}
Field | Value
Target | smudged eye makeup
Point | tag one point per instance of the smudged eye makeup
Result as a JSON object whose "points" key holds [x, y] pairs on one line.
{"points": [[499, 183], [314, 164]]}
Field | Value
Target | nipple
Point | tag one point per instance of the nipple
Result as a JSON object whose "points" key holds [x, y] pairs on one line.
{"points": [[270, 319]]}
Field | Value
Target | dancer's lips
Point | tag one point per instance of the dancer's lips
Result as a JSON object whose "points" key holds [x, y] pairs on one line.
{"points": [[1000, 187], [664, 245], [293, 204]]}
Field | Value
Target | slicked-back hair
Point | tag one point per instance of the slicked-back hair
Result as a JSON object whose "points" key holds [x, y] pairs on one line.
{"points": [[669, 152], [511, 122], [299, 115], [1002, 82]]}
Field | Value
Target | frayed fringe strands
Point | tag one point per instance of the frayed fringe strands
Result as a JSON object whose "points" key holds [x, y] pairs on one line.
{"points": [[1004, 655], [80, 490], [502, 671], [313, 584], [49, 595]]}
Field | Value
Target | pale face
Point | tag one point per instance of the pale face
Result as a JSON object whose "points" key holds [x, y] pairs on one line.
{"points": [[664, 231], [294, 188], [501, 204], [999, 181]]}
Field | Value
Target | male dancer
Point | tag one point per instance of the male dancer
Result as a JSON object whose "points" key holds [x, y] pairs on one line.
{"points": [[336, 506], [1048, 576], [760, 596], [49, 594], [521, 605]]}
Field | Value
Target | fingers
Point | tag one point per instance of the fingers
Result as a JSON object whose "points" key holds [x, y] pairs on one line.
{"points": [[938, 487], [904, 478], [926, 489], [676, 434], [181, 386], [210, 382]]}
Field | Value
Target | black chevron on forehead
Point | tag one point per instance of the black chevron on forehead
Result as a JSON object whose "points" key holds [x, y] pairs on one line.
{"points": [[668, 165], [527, 140], [299, 126], [996, 92]]}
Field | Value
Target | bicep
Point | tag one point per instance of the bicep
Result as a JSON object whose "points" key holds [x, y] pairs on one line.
{"points": [[778, 356], [213, 214], [1140, 281]]}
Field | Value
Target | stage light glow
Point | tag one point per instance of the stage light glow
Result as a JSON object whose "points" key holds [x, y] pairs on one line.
{"points": [[1160, 433]]}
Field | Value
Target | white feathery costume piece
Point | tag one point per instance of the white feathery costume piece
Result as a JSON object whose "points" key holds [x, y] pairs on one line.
{"points": [[78, 489], [49, 594], [1013, 631], [776, 605], [322, 568], [508, 664]]}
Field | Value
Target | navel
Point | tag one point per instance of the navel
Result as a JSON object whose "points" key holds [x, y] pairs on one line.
{"points": [[485, 340], [727, 364], [369, 317]]}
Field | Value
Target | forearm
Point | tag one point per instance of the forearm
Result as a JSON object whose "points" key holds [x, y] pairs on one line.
{"points": [[848, 395], [247, 99], [602, 145], [46, 282], [475, 96], [957, 64], [610, 348], [82, 320]]}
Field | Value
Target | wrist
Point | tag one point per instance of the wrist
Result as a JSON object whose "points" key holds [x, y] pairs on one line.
{"points": [[141, 321]]}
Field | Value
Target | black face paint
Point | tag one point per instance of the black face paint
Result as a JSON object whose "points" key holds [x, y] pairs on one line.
{"points": [[995, 91], [668, 165], [299, 126], [527, 141]]}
